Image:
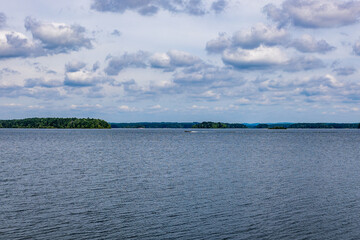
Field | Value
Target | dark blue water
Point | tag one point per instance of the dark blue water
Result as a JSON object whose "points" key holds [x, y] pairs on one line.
{"points": [[169, 184]]}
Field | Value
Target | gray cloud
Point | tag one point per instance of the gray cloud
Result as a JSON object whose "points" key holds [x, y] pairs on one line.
{"points": [[50, 38], [81, 79], [51, 72], [13, 44], [218, 45], [320, 89], [2, 20], [219, 6], [344, 71], [136, 60], [356, 48], [10, 91], [324, 85], [204, 75], [173, 59], [15, 91], [303, 63], [8, 71], [308, 44], [182, 59], [267, 36], [40, 82], [151, 7], [74, 66], [260, 35], [95, 66], [167, 61], [314, 14], [56, 37], [116, 33]]}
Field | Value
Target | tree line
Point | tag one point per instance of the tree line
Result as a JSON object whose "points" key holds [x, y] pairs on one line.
{"points": [[218, 125], [54, 123], [209, 124], [178, 125]]}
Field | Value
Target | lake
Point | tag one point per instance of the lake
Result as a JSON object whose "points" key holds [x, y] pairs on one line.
{"points": [[171, 184]]}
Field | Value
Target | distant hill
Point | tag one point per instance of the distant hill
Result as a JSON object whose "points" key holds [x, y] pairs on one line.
{"points": [[55, 123], [324, 125]]}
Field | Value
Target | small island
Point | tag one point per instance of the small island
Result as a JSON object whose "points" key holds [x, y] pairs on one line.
{"points": [[88, 123], [218, 125]]}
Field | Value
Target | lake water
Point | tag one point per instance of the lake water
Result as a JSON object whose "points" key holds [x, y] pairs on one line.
{"points": [[170, 184]]}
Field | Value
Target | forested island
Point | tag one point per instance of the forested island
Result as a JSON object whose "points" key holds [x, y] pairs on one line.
{"points": [[55, 123], [218, 125]]}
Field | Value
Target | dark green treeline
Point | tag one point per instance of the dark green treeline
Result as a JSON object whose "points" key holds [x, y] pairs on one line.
{"points": [[218, 125], [54, 123]]}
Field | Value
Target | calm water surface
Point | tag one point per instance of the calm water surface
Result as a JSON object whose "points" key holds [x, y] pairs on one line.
{"points": [[169, 184]]}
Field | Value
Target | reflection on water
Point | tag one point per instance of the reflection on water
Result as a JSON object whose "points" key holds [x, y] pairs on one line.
{"points": [[169, 184]]}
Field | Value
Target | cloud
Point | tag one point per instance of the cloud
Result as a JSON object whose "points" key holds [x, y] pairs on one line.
{"points": [[204, 76], [260, 35], [269, 57], [48, 38], [196, 107], [85, 106], [160, 60], [209, 95], [219, 6], [135, 60], [125, 108], [314, 14], [2, 20], [269, 36], [356, 48], [8, 71], [152, 7], [344, 71], [182, 59], [155, 107], [218, 45], [80, 78], [10, 90], [259, 58], [15, 91], [14, 44], [168, 61], [116, 33], [173, 59], [303, 63], [11, 105], [308, 44], [58, 37], [78, 75], [326, 85], [95, 66], [74, 66], [40, 82]]}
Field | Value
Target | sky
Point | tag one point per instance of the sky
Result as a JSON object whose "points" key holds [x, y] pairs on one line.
{"points": [[181, 60]]}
